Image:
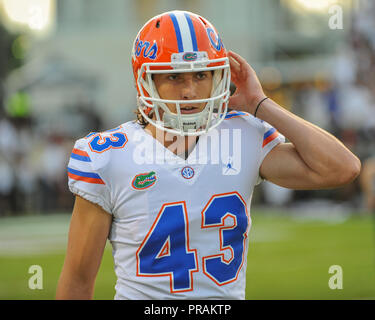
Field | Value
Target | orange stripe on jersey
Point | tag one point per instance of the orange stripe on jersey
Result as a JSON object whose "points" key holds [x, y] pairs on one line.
{"points": [[80, 152], [270, 138], [85, 179]]}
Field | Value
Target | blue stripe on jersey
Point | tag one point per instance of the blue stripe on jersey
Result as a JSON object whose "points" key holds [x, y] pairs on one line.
{"points": [[178, 32], [84, 174], [192, 32], [234, 114], [269, 132], [80, 158]]}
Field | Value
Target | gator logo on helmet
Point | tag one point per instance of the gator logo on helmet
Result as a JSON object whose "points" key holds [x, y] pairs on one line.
{"points": [[190, 56], [144, 180]]}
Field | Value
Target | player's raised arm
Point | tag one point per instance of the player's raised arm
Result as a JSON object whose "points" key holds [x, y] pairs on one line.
{"points": [[89, 228], [314, 159]]}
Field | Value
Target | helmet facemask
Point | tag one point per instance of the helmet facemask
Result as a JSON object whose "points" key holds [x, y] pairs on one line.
{"points": [[185, 124]]}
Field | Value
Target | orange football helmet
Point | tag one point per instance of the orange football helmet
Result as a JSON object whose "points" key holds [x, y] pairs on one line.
{"points": [[177, 42]]}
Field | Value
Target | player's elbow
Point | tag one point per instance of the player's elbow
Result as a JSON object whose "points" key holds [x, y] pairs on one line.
{"points": [[354, 169], [74, 286], [69, 289], [346, 172]]}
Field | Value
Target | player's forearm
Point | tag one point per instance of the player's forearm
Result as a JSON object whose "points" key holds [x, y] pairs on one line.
{"points": [[69, 288], [321, 151]]}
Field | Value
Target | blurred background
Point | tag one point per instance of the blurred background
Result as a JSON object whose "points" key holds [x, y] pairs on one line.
{"points": [[65, 71]]}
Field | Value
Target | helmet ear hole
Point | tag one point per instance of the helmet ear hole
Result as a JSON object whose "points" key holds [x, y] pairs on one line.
{"points": [[157, 24], [204, 22]]}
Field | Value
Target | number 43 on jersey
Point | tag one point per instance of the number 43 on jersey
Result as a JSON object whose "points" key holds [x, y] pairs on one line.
{"points": [[165, 251]]}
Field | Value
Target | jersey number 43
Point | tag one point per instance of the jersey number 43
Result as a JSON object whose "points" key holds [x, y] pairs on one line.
{"points": [[165, 251]]}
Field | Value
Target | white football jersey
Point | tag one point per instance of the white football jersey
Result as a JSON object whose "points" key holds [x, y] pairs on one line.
{"points": [[180, 227]]}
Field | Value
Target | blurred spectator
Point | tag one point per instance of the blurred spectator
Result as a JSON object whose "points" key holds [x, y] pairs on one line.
{"points": [[7, 186], [275, 195], [52, 170], [33, 161], [8, 136]]}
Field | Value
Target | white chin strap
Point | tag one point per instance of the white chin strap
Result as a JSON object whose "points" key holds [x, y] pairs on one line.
{"points": [[190, 122]]}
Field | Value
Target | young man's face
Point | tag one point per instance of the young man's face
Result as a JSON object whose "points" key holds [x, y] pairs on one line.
{"points": [[184, 86]]}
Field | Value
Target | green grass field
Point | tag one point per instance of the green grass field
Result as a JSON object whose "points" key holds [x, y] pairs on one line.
{"points": [[288, 258]]}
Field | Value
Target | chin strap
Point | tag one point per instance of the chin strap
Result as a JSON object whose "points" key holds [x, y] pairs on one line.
{"points": [[190, 122]]}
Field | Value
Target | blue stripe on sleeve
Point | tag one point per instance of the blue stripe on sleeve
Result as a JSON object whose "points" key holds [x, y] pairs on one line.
{"points": [[269, 132], [80, 158], [84, 174]]}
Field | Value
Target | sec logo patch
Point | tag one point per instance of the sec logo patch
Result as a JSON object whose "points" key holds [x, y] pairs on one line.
{"points": [[187, 172]]}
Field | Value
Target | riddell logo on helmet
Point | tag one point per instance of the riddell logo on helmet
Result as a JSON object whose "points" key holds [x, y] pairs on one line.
{"points": [[190, 56], [192, 125]]}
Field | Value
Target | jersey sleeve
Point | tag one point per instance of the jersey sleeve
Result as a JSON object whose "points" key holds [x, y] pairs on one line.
{"points": [[267, 137], [270, 139], [84, 180]]}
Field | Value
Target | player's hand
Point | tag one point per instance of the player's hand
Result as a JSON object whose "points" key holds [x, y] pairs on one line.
{"points": [[249, 91]]}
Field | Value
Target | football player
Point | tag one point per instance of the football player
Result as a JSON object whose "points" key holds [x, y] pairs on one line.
{"points": [[179, 222]]}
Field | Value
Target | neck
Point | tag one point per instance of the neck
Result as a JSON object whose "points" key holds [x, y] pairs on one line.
{"points": [[179, 145]]}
